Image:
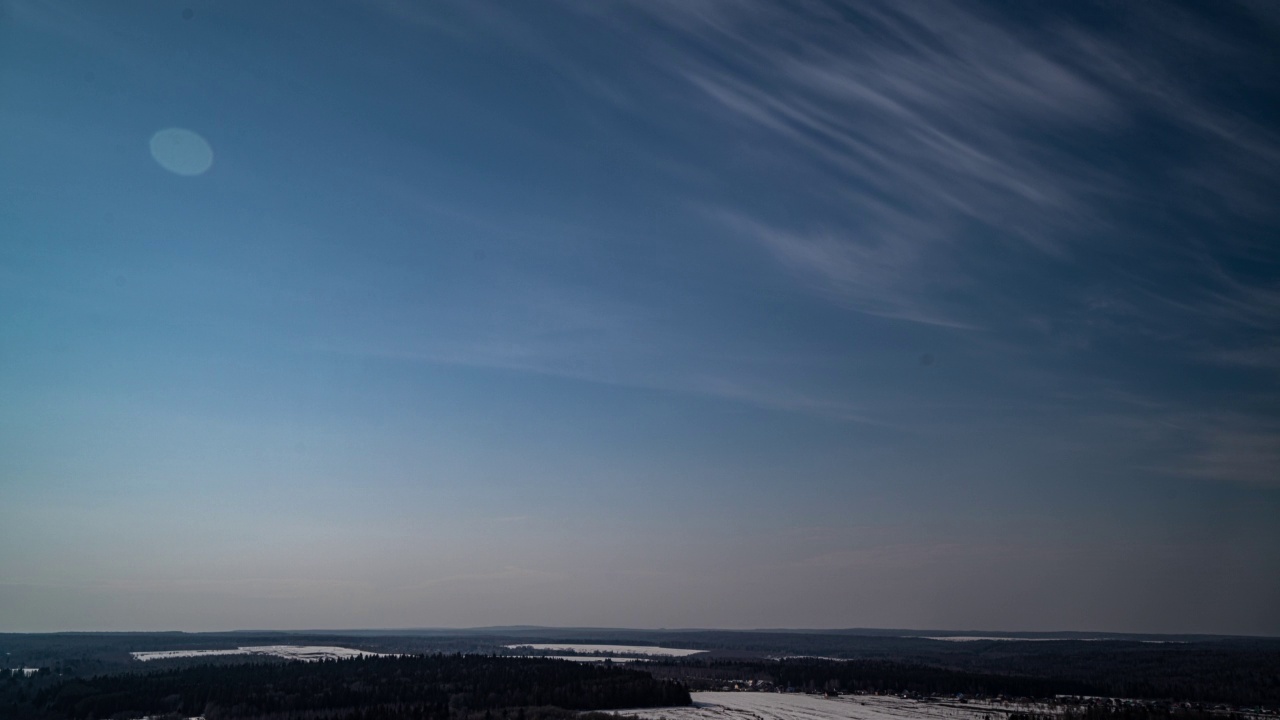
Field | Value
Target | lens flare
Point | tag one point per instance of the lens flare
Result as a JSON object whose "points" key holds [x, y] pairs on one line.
{"points": [[181, 151]]}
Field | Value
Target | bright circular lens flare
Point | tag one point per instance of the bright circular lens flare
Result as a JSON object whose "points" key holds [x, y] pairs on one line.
{"points": [[181, 151]]}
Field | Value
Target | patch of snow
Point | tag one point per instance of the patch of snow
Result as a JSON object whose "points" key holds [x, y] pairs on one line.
{"points": [[611, 649]]}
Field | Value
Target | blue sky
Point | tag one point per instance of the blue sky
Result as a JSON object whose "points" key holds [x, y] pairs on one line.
{"points": [[694, 313]]}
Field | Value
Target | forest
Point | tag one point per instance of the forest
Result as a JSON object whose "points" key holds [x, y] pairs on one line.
{"points": [[79, 669], [1243, 675], [421, 687]]}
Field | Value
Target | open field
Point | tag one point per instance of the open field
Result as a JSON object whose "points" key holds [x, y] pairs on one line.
{"points": [[796, 706], [589, 658], [289, 652], [587, 649]]}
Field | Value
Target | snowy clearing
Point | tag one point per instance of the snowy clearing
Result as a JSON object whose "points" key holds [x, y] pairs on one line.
{"points": [[808, 657], [289, 652], [795, 706], [611, 649], [587, 658]]}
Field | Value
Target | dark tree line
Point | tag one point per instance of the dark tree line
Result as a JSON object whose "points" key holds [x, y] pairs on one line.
{"points": [[872, 676], [423, 687], [1133, 712], [869, 676], [1182, 678]]}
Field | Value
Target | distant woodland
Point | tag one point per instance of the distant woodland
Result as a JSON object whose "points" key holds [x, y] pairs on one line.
{"points": [[456, 676], [425, 687]]}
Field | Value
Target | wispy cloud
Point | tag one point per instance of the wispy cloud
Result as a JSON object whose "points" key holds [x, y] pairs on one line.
{"points": [[958, 135], [1238, 446], [1226, 447], [1248, 455], [927, 121], [1068, 188], [871, 277], [544, 330]]}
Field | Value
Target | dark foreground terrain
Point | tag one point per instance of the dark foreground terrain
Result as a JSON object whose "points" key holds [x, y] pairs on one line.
{"points": [[470, 675], [439, 687]]}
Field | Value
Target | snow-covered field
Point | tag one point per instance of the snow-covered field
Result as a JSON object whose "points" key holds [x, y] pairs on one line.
{"points": [[611, 649], [795, 706], [289, 652], [588, 658]]}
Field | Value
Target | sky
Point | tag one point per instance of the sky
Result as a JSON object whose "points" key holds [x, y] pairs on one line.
{"points": [[640, 313]]}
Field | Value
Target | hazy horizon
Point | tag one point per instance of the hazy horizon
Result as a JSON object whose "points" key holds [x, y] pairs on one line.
{"points": [[642, 313], [339, 631]]}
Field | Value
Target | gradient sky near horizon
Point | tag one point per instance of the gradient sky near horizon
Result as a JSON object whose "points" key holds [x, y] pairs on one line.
{"points": [[648, 313]]}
